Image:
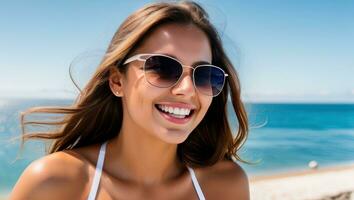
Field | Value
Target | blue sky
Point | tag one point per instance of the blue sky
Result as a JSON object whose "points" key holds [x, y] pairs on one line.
{"points": [[284, 51]]}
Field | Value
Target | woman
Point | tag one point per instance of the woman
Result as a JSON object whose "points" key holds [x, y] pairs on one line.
{"points": [[152, 122]]}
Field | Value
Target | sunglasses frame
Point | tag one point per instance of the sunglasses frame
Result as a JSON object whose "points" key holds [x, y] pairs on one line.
{"points": [[144, 56]]}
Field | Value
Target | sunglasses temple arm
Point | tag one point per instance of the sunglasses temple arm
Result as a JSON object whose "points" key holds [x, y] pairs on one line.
{"points": [[137, 57]]}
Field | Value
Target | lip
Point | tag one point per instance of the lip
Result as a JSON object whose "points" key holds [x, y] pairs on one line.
{"points": [[173, 119]]}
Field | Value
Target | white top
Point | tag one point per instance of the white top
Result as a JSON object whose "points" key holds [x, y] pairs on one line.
{"points": [[98, 172]]}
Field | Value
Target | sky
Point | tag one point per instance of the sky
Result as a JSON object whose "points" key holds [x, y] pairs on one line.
{"points": [[284, 51]]}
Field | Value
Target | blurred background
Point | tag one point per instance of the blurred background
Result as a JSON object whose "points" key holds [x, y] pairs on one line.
{"points": [[294, 58]]}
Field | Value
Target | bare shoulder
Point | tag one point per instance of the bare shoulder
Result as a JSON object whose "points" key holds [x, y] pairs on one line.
{"points": [[226, 178], [61, 175]]}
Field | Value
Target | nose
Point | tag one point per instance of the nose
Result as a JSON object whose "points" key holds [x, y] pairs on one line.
{"points": [[185, 85]]}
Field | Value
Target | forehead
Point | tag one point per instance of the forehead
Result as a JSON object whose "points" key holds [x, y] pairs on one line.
{"points": [[187, 43]]}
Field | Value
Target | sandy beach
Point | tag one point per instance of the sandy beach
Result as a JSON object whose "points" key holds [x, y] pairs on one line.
{"points": [[4, 194], [326, 183]]}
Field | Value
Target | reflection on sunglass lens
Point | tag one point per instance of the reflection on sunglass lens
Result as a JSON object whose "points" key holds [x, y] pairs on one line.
{"points": [[209, 80], [162, 71]]}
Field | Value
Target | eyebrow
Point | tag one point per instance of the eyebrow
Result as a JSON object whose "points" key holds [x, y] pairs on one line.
{"points": [[201, 62]]}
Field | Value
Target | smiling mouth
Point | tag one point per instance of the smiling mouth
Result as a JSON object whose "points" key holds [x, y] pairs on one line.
{"points": [[174, 115]]}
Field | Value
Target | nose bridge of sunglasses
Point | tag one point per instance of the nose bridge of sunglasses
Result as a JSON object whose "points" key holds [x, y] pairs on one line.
{"points": [[187, 70]]}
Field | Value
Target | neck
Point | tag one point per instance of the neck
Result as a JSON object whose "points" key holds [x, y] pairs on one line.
{"points": [[143, 159]]}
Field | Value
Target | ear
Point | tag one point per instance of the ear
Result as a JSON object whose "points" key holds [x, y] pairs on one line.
{"points": [[116, 82]]}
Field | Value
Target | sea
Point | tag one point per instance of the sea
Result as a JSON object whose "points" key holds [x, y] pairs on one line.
{"points": [[283, 137]]}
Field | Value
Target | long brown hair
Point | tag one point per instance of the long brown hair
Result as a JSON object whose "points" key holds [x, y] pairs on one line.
{"points": [[96, 114]]}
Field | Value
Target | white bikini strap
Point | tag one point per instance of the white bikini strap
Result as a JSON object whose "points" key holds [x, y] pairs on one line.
{"points": [[196, 184], [98, 172]]}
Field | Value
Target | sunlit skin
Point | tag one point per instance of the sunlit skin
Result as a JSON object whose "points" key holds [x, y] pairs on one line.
{"points": [[141, 163], [145, 133]]}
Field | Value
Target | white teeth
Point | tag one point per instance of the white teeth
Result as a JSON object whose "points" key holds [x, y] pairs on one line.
{"points": [[178, 116], [175, 111]]}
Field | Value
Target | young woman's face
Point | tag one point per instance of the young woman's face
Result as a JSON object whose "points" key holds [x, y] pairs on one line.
{"points": [[141, 100]]}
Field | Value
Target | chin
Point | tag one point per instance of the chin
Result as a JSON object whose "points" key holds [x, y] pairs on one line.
{"points": [[175, 137]]}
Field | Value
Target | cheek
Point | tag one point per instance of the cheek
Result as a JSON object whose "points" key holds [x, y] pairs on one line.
{"points": [[133, 92], [139, 97], [205, 103]]}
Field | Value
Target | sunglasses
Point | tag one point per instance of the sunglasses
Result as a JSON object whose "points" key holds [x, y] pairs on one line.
{"points": [[164, 71]]}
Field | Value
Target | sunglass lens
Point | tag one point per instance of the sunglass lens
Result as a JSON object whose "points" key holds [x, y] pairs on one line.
{"points": [[209, 80], [162, 71]]}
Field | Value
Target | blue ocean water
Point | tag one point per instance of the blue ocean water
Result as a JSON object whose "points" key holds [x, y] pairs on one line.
{"points": [[282, 137], [292, 135]]}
